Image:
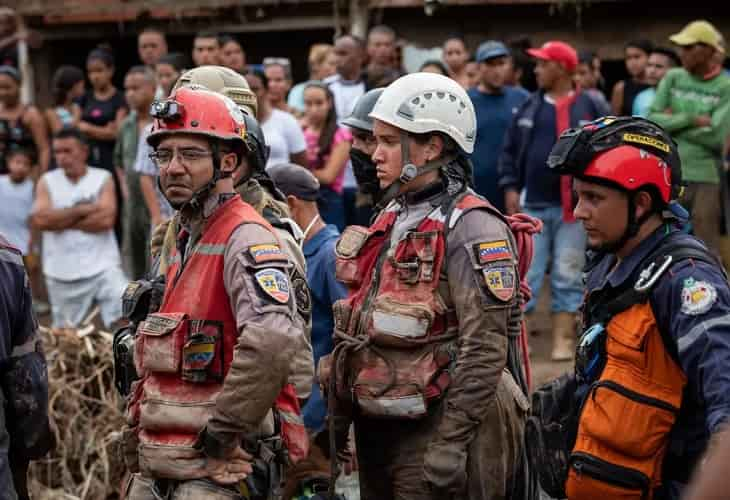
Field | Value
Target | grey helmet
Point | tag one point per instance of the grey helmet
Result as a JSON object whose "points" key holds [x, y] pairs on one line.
{"points": [[224, 81], [359, 118]]}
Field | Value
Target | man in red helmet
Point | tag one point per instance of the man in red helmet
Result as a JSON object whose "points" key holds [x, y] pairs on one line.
{"points": [[215, 358], [651, 364]]}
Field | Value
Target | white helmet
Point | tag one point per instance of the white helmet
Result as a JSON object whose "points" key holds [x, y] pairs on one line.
{"points": [[427, 102]]}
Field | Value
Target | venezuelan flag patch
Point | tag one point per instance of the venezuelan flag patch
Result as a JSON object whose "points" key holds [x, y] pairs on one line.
{"points": [[492, 250], [266, 252]]}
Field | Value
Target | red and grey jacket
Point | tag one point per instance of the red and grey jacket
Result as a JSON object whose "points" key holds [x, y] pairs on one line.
{"points": [[184, 352]]}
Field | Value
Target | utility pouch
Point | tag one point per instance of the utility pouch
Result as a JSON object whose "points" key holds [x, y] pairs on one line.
{"points": [[414, 258], [395, 324], [550, 432], [347, 249], [159, 344], [398, 384]]}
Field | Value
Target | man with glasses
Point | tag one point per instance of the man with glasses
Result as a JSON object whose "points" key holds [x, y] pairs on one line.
{"points": [[692, 104], [215, 359]]}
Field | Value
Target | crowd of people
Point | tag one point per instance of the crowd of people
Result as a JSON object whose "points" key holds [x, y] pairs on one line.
{"points": [[115, 186]]}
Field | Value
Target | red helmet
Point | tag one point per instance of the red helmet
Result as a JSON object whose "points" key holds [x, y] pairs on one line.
{"points": [[628, 151], [198, 111], [632, 168]]}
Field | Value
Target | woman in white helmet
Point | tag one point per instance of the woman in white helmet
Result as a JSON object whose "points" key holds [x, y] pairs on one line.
{"points": [[422, 339]]}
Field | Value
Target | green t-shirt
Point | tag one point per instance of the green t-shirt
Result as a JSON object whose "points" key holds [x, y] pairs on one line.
{"points": [[682, 97]]}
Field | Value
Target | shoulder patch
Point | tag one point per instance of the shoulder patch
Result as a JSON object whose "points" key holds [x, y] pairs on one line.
{"points": [[697, 297], [274, 283], [302, 295], [501, 281], [266, 253], [489, 251]]}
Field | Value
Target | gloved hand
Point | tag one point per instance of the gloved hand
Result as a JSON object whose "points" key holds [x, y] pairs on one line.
{"points": [[158, 237], [444, 467]]}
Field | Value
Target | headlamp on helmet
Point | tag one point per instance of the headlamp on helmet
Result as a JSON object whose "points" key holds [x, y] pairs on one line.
{"points": [[167, 110]]}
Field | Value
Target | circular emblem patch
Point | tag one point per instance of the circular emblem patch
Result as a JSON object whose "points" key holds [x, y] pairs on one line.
{"points": [[302, 295], [697, 297]]}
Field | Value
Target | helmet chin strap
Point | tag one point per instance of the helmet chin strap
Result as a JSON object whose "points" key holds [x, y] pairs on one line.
{"points": [[409, 171], [633, 225]]}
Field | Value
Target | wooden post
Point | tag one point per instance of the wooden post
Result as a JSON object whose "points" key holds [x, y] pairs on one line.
{"points": [[359, 18]]}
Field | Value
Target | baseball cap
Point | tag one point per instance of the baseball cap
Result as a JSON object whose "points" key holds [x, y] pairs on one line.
{"points": [[699, 32], [491, 49], [294, 180], [560, 52]]}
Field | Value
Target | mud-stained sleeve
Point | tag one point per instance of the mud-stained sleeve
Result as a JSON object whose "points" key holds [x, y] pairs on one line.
{"points": [[482, 276], [302, 369], [257, 283]]}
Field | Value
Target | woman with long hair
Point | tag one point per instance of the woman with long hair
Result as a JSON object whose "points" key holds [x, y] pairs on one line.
{"points": [[21, 125], [102, 110], [328, 150], [67, 86]]}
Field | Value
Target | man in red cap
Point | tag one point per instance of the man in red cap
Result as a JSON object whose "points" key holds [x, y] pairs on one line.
{"points": [[526, 180]]}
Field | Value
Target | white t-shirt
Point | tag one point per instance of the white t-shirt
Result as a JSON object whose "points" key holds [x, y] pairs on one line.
{"points": [[17, 200], [73, 254], [346, 94], [284, 137]]}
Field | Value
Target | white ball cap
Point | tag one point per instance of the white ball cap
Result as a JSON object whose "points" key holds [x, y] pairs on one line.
{"points": [[427, 102]]}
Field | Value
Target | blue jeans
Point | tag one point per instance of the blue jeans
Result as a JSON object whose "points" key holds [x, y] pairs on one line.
{"points": [[563, 245]]}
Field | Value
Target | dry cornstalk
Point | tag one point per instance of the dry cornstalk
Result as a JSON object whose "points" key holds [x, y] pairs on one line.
{"points": [[86, 417]]}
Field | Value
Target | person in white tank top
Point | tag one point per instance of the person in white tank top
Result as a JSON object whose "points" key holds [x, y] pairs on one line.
{"points": [[75, 208]]}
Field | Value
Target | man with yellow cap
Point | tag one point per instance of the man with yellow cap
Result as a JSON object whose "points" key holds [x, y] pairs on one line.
{"points": [[692, 103]]}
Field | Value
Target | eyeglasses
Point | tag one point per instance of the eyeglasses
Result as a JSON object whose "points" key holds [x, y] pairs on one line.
{"points": [[186, 156]]}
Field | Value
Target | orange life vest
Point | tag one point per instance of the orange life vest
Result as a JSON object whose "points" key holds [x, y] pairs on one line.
{"points": [[628, 413]]}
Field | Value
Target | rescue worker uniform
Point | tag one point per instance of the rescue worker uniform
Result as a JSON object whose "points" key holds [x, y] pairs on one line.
{"points": [[23, 378], [685, 335], [216, 356], [463, 279], [651, 379], [276, 214], [421, 342]]}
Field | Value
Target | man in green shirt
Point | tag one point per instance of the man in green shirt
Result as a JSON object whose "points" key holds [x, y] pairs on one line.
{"points": [[139, 87], [692, 103]]}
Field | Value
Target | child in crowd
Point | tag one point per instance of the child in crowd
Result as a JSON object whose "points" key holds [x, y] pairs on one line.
{"points": [[16, 193], [328, 150]]}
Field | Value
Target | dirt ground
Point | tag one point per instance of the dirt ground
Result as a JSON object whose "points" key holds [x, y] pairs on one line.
{"points": [[540, 342]]}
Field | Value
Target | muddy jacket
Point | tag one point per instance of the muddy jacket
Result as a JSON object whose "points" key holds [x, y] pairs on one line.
{"points": [[276, 214], [217, 354], [665, 388], [432, 286], [24, 430]]}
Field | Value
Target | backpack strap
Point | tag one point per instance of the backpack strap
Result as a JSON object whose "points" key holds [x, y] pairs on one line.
{"points": [[645, 277]]}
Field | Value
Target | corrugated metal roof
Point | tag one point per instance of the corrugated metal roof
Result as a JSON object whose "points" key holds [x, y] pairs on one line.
{"points": [[87, 11]]}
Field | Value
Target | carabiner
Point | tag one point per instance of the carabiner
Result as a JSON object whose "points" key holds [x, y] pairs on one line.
{"points": [[648, 277]]}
